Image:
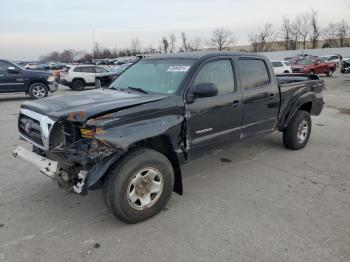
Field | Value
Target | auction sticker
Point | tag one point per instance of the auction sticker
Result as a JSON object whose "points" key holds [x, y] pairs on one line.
{"points": [[178, 68]]}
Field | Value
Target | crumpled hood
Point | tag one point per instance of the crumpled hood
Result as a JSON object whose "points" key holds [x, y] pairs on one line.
{"points": [[83, 105]]}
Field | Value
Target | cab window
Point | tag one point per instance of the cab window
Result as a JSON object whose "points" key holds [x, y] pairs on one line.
{"points": [[253, 73], [218, 72]]}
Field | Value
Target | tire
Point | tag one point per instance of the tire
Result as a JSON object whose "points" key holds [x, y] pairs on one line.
{"points": [[297, 133], [78, 85], [38, 90], [128, 183], [330, 72]]}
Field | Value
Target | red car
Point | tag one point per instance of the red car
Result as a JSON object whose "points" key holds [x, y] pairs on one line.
{"points": [[308, 66]]}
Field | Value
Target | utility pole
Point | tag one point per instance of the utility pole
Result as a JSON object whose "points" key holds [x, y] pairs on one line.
{"points": [[93, 44]]}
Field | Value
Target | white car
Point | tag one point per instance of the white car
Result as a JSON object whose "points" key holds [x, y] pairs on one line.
{"points": [[331, 59], [281, 67], [79, 76]]}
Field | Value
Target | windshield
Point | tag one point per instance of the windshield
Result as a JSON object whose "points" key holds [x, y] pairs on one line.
{"points": [[155, 75]]}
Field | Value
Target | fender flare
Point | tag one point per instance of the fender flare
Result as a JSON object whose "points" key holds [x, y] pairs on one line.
{"points": [[303, 99]]}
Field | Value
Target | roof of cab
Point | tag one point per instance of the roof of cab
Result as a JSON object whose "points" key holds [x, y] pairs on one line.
{"points": [[203, 55]]}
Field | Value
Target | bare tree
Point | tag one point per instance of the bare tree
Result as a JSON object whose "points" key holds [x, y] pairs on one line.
{"points": [[263, 40], [184, 42], [296, 30], [315, 29], [195, 43], [165, 44], [286, 33], [172, 42], [304, 28], [135, 46], [330, 33], [222, 39], [342, 34]]}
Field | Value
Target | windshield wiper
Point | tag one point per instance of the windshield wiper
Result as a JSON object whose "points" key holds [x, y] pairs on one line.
{"points": [[138, 89]]}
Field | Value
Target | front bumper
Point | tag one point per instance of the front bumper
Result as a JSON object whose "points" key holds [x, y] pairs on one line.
{"points": [[53, 86], [46, 166], [51, 168]]}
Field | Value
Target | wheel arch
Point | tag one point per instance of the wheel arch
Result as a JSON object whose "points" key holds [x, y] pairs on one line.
{"points": [[305, 103], [161, 143], [78, 78], [33, 82]]}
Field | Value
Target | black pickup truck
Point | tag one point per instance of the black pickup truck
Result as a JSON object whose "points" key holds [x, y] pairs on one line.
{"points": [[14, 78], [133, 137]]}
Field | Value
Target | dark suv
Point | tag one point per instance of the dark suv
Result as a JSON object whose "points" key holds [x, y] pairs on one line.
{"points": [[37, 84]]}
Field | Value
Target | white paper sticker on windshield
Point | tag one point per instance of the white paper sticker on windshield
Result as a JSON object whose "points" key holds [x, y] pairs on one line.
{"points": [[178, 68]]}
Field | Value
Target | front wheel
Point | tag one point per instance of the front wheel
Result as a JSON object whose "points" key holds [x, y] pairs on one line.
{"points": [[139, 186], [298, 131], [38, 90], [330, 72]]}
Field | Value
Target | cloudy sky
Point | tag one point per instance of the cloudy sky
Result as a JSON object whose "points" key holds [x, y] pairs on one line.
{"points": [[30, 28]]}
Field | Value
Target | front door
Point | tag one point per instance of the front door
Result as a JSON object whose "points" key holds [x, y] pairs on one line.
{"points": [[214, 122], [10, 82]]}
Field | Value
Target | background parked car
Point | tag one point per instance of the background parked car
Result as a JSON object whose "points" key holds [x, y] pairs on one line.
{"points": [[331, 59], [78, 76], [345, 65], [308, 66], [14, 78], [281, 67]]}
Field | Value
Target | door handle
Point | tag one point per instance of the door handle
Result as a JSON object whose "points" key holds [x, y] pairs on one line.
{"points": [[235, 103]]}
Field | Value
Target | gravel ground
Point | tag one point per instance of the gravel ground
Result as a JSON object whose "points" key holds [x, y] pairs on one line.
{"points": [[256, 201]]}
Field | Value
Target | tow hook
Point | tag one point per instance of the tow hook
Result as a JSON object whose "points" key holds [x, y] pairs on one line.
{"points": [[79, 186]]}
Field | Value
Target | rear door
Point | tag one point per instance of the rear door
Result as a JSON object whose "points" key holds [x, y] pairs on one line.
{"points": [[214, 122], [260, 97], [10, 82], [85, 72]]}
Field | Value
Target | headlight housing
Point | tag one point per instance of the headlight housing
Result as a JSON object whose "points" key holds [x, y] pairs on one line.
{"points": [[51, 78]]}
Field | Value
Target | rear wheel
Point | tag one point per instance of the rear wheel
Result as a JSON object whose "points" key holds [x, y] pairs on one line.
{"points": [[38, 90], [139, 186], [297, 133], [78, 85]]}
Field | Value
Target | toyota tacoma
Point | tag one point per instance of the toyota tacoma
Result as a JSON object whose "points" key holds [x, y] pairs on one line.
{"points": [[133, 137]]}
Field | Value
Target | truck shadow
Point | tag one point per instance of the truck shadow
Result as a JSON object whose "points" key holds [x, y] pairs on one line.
{"points": [[6, 98]]}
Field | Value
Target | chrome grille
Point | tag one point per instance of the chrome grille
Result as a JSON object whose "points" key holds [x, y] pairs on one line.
{"points": [[35, 128]]}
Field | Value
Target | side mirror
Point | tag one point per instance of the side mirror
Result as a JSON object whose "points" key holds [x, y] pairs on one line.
{"points": [[204, 90], [12, 70]]}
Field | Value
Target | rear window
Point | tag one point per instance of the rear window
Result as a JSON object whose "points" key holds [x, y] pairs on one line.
{"points": [[276, 64], [253, 73]]}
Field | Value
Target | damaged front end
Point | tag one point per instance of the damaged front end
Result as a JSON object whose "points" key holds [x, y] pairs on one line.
{"points": [[67, 150]]}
